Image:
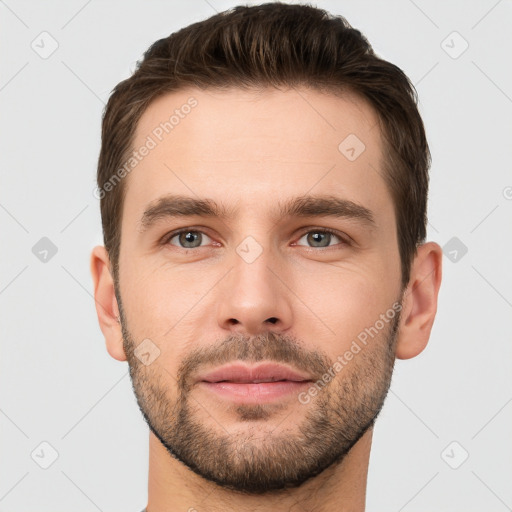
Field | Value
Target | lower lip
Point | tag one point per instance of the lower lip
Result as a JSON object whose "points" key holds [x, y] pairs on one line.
{"points": [[256, 393]]}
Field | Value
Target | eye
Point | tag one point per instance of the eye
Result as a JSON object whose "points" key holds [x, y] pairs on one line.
{"points": [[320, 238], [187, 238], [193, 238]]}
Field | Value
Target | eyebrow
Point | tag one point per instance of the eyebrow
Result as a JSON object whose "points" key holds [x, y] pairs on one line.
{"points": [[176, 206]]}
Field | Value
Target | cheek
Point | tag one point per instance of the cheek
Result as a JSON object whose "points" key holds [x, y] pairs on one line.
{"points": [[342, 302], [166, 305]]}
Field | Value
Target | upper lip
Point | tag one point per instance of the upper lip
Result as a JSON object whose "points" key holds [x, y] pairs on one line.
{"points": [[242, 373]]}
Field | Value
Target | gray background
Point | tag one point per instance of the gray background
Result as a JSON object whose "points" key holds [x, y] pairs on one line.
{"points": [[57, 382]]}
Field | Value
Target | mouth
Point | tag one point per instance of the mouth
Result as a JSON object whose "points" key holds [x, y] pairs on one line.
{"points": [[254, 384]]}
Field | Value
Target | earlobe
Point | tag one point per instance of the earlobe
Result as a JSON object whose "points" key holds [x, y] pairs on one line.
{"points": [[106, 303], [420, 301]]}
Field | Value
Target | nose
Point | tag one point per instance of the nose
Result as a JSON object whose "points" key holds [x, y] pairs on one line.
{"points": [[254, 298]]}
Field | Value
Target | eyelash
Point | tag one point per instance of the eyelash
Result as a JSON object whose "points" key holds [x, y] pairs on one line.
{"points": [[344, 239]]}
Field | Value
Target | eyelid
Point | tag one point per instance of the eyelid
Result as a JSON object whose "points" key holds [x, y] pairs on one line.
{"points": [[345, 239], [165, 240]]}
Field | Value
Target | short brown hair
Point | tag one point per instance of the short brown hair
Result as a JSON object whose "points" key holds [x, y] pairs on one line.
{"points": [[275, 45]]}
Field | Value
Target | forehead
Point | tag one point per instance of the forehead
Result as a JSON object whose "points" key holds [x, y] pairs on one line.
{"points": [[256, 147]]}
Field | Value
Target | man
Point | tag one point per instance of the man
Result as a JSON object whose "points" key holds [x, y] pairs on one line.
{"points": [[263, 180]]}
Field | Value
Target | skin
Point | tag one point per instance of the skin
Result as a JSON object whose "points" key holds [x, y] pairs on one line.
{"points": [[249, 151]]}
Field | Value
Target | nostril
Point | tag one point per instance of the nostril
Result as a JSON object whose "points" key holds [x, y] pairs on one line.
{"points": [[272, 320]]}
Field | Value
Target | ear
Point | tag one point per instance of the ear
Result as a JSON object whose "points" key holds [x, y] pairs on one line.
{"points": [[419, 305], [106, 303]]}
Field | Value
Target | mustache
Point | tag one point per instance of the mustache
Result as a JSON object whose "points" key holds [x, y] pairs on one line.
{"points": [[267, 346]]}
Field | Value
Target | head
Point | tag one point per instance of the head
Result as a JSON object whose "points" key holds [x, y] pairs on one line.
{"points": [[263, 179]]}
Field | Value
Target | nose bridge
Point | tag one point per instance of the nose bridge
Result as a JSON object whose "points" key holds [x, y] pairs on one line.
{"points": [[251, 261], [253, 298]]}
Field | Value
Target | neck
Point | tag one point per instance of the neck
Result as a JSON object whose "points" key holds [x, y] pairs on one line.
{"points": [[340, 488]]}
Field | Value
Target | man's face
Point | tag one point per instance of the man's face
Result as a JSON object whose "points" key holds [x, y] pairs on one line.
{"points": [[276, 289]]}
